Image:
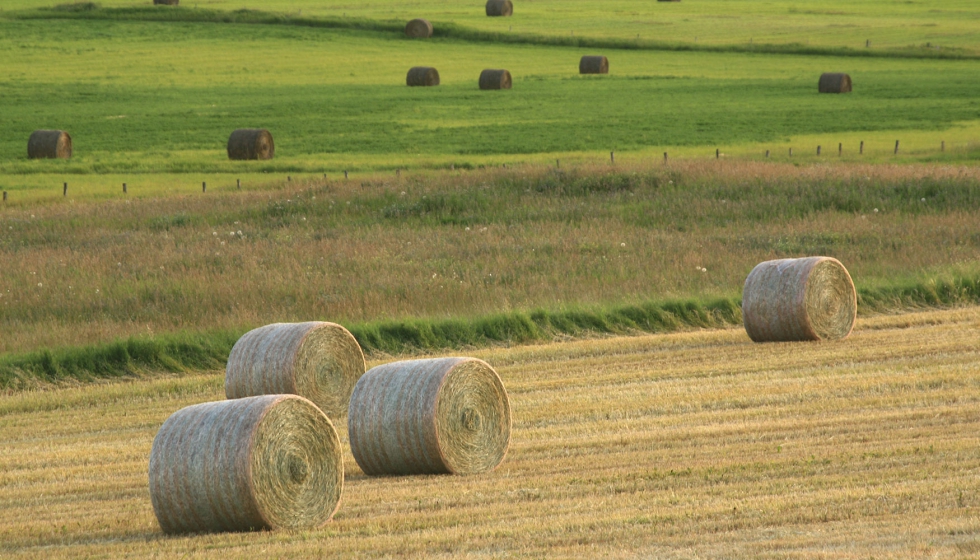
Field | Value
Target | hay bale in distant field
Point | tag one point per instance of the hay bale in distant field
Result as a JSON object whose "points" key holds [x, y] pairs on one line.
{"points": [[447, 415], [811, 298], [500, 8], [317, 360], [422, 76], [834, 83], [166, 2], [419, 29], [53, 144], [271, 462], [251, 143], [495, 79], [593, 65]]}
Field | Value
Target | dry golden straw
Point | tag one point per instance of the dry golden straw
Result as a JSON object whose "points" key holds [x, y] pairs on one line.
{"points": [[49, 144], [446, 415], [495, 79], [271, 462], [811, 298], [593, 65], [500, 8], [251, 143], [834, 83], [419, 29], [316, 360], [422, 76]]}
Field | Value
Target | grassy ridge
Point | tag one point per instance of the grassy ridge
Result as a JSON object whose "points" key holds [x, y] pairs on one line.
{"points": [[199, 351], [450, 30]]}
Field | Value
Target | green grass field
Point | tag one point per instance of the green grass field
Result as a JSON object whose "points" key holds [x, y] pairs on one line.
{"points": [[162, 97]]}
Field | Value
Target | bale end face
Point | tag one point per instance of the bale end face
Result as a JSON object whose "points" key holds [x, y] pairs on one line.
{"points": [[49, 144], [500, 8], [251, 143], [834, 83], [419, 29], [495, 79], [422, 76], [799, 299], [593, 65]]}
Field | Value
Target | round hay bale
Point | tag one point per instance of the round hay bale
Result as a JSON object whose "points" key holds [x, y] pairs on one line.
{"points": [[495, 79], [500, 8], [447, 415], [422, 76], [811, 298], [166, 2], [316, 360], [593, 65], [419, 29], [49, 144], [251, 143], [834, 83], [271, 462]]}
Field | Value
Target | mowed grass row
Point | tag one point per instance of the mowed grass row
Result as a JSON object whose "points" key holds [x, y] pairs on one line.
{"points": [[834, 23], [686, 445], [436, 246], [163, 97]]}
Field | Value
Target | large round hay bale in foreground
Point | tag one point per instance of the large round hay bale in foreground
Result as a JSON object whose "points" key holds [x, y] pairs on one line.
{"points": [[500, 8], [447, 415], [834, 83], [593, 65], [422, 76], [166, 2], [271, 462], [419, 29], [495, 79], [251, 143], [317, 360], [811, 298], [49, 144]]}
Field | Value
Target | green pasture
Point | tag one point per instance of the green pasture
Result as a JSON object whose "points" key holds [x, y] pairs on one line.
{"points": [[829, 23], [162, 97]]}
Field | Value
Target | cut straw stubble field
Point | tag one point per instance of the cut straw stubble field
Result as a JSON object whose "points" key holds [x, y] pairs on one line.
{"points": [[689, 445]]}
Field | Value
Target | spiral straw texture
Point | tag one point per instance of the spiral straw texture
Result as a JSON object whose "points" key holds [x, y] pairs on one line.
{"points": [[53, 144], [419, 29], [446, 415], [593, 65], [271, 462], [495, 79], [811, 298], [317, 360], [497, 8], [251, 143]]}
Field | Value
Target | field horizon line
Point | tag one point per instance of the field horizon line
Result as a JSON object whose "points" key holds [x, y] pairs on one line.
{"points": [[453, 31]]}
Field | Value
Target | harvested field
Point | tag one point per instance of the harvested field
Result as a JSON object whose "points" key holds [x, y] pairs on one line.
{"points": [[689, 445]]}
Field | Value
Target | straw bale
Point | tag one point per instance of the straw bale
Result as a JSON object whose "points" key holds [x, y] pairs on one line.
{"points": [[495, 79], [251, 143], [812, 298], [446, 415], [49, 144], [317, 360], [500, 8], [834, 83], [593, 65], [166, 2], [271, 462], [419, 29], [422, 76]]}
